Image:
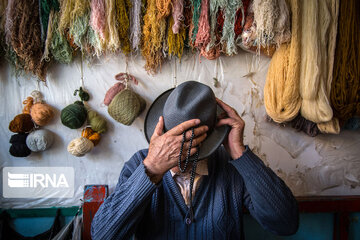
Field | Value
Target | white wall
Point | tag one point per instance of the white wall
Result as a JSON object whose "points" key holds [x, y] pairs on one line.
{"points": [[322, 165]]}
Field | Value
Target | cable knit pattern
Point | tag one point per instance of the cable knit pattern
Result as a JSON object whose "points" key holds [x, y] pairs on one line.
{"points": [[148, 211]]}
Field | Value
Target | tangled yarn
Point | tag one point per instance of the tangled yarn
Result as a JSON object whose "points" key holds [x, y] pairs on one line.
{"points": [[281, 93], [25, 36], [163, 7], [113, 42], [135, 24], [126, 106], [90, 134], [240, 17], [28, 104], [175, 41], [18, 146], [21, 123], [98, 17], [345, 87], [84, 95], [122, 10], [74, 115], [97, 122], [272, 19], [319, 25], [42, 113], [59, 46], [45, 8], [306, 126], [228, 34], [203, 33], [111, 93], [40, 140], [196, 4], [177, 15], [152, 38], [80, 146]]}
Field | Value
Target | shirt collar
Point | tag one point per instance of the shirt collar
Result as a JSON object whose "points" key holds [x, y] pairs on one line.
{"points": [[201, 169]]}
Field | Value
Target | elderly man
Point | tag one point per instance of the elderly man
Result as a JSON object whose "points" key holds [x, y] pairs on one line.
{"points": [[188, 186]]}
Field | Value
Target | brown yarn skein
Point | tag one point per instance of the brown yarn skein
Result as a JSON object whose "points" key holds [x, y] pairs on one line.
{"points": [[22, 123]]}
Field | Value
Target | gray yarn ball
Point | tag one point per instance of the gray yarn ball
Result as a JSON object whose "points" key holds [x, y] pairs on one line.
{"points": [[40, 140]]}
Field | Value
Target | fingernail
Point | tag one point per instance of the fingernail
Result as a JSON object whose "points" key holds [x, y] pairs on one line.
{"points": [[197, 121], [159, 118]]}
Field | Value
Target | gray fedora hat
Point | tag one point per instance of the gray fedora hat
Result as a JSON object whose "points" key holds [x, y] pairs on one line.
{"points": [[187, 101]]}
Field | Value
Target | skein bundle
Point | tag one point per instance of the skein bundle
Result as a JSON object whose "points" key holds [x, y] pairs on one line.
{"points": [[126, 106], [318, 45], [97, 122], [345, 88], [24, 33], [80, 146], [74, 115], [22, 123], [306, 126], [203, 33], [332, 126], [18, 146], [90, 134], [175, 41], [40, 140], [281, 93], [153, 36]]}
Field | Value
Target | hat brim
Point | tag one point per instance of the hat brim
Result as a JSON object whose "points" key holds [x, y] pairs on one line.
{"points": [[208, 146]]}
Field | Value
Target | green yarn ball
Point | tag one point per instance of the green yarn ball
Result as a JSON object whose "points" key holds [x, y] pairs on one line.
{"points": [[97, 122], [74, 115], [126, 106]]}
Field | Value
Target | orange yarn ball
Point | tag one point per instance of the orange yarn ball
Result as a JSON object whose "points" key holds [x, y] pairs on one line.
{"points": [[22, 123], [91, 135], [42, 113]]}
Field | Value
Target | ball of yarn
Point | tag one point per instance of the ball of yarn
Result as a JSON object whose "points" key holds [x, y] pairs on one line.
{"points": [[80, 146], [126, 106], [91, 135], [42, 113], [21, 123], [19, 147], [40, 140], [74, 115], [97, 122], [111, 93]]}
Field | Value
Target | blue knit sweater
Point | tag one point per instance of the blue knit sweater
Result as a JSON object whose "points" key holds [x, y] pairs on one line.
{"points": [[148, 211]]}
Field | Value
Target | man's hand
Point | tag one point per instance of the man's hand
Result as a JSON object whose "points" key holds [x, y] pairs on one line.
{"points": [[164, 148], [234, 144]]}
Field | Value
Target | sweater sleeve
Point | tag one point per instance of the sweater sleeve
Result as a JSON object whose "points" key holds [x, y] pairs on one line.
{"points": [[118, 216], [266, 196]]}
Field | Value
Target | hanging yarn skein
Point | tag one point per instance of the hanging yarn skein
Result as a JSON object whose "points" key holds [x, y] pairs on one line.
{"points": [[177, 15], [123, 7], [228, 34], [25, 36], [41, 113], [175, 41], [315, 56], [203, 33], [281, 93], [345, 88], [126, 105], [74, 115], [46, 6], [152, 38], [18, 146], [40, 140]]}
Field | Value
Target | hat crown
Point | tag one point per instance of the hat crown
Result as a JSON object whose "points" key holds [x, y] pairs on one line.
{"points": [[190, 100]]}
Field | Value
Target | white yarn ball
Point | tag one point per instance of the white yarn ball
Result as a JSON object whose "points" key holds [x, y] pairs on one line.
{"points": [[80, 146], [40, 140]]}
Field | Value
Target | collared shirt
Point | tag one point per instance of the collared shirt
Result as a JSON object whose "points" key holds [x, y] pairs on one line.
{"points": [[183, 180]]}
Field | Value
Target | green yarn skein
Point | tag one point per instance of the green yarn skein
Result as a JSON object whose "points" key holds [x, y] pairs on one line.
{"points": [[126, 106], [97, 122], [74, 115]]}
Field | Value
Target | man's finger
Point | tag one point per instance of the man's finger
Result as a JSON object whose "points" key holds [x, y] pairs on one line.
{"points": [[196, 141], [197, 132], [179, 129], [229, 110], [226, 121], [159, 127]]}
